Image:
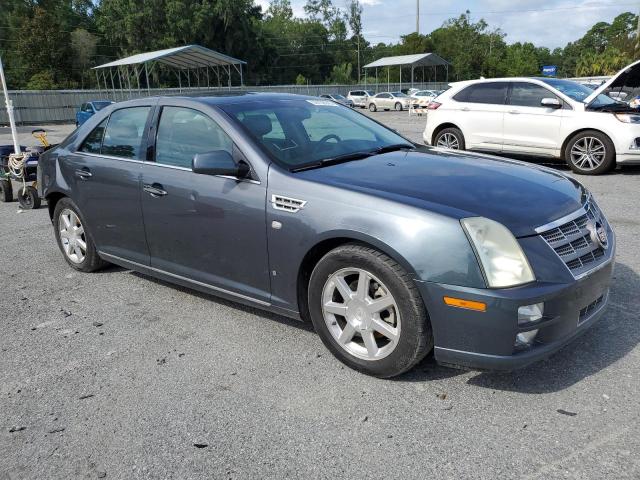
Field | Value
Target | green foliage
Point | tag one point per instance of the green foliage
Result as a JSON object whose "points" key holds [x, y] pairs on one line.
{"points": [[42, 81], [54, 43], [301, 80]]}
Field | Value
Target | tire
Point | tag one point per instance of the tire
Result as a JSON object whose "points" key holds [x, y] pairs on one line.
{"points": [[599, 156], [91, 260], [451, 138], [372, 107], [406, 320], [398, 107], [6, 191], [28, 198]]}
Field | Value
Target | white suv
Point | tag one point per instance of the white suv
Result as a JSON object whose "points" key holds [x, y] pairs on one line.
{"points": [[541, 116]]}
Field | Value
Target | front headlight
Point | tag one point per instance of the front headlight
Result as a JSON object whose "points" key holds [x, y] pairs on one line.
{"points": [[628, 117], [503, 261]]}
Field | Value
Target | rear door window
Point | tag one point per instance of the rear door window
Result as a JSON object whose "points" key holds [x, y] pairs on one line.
{"points": [[494, 93], [528, 94], [124, 134]]}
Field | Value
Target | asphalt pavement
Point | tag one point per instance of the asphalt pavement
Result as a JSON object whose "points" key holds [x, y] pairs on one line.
{"points": [[115, 375]]}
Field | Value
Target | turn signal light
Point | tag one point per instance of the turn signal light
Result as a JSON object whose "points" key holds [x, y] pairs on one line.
{"points": [[468, 304]]}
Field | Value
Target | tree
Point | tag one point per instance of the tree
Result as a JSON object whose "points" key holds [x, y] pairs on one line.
{"points": [[83, 45], [341, 74]]}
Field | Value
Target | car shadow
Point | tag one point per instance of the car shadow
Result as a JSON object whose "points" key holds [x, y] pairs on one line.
{"points": [[605, 343], [228, 303]]}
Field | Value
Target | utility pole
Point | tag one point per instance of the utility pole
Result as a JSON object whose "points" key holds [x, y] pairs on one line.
{"points": [[418, 17], [638, 34]]}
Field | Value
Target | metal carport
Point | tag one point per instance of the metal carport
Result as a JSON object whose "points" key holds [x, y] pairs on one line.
{"points": [[415, 60], [194, 62]]}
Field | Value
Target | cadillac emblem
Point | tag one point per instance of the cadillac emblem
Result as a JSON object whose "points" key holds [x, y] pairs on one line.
{"points": [[598, 234]]}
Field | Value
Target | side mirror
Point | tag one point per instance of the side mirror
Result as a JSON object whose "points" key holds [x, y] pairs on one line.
{"points": [[551, 103], [218, 162]]}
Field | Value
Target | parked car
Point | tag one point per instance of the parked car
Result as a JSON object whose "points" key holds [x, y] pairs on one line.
{"points": [[360, 98], [88, 109], [421, 94], [303, 208], [341, 99], [540, 116], [409, 91], [389, 100]]}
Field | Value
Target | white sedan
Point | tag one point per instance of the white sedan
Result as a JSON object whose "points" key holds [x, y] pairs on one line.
{"points": [[541, 116]]}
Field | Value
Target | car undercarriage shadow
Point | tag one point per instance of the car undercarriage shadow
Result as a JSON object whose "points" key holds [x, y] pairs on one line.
{"points": [[228, 303], [608, 341]]}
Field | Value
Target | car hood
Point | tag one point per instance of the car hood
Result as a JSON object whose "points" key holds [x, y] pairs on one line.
{"points": [[520, 196], [628, 77]]}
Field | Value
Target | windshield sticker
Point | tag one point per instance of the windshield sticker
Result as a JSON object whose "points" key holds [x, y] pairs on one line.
{"points": [[323, 103]]}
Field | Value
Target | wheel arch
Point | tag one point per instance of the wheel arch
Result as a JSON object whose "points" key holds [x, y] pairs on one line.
{"points": [[52, 200], [330, 242], [441, 127], [570, 136]]}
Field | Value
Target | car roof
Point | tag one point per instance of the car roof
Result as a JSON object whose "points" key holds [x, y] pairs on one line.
{"points": [[225, 98]]}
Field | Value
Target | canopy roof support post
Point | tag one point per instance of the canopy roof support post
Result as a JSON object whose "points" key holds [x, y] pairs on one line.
{"points": [[446, 73], [376, 79], [411, 76], [207, 71], [138, 80], [113, 85], [179, 73], [241, 79], [229, 76], [388, 78], [400, 77], [146, 74]]}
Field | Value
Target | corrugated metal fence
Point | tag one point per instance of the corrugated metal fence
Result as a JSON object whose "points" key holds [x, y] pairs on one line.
{"points": [[53, 106]]}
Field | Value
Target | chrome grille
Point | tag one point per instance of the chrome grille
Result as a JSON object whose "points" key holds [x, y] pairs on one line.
{"points": [[572, 240]]}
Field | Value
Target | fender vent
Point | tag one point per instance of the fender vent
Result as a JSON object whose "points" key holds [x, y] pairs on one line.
{"points": [[287, 204]]}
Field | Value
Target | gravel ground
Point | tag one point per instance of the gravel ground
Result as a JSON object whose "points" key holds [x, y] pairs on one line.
{"points": [[114, 375]]}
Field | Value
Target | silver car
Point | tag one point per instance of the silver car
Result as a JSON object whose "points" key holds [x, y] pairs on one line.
{"points": [[341, 99], [360, 98], [389, 100]]}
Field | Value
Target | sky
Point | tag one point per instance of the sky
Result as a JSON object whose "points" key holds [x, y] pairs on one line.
{"points": [[546, 23]]}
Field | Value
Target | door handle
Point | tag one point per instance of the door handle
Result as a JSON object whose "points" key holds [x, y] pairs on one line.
{"points": [[514, 112], [83, 173], [155, 190]]}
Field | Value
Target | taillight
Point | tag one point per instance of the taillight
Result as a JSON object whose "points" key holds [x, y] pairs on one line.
{"points": [[433, 106]]}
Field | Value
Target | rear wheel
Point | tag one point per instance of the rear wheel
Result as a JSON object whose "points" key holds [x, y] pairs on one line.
{"points": [[368, 312], [28, 198], [74, 241], [372, 107], [6, 191], [590, 153], [450, 138]]}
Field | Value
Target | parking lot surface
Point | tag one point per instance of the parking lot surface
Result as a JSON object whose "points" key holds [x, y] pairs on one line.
{"points": [[114, 375]]}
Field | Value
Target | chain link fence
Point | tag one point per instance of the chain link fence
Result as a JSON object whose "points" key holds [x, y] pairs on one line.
{"points": [[33, 107]]}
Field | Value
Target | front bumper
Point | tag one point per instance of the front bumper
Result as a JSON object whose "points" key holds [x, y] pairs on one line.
{"points": [[486, 340]]}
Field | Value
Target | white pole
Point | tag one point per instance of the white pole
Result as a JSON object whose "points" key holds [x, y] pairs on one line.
{"points": [[9, 103]]}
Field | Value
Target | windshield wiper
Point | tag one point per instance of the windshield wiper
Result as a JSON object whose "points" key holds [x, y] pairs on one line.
{"points": [[347, 157], [393, 148]]}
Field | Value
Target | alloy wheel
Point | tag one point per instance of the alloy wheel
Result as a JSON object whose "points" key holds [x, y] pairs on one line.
{"points": [[588, 153], [448, 140], [72, 236], [361, 314]]}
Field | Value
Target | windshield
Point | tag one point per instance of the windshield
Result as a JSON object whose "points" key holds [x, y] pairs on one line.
{"points": [[305, 131], [578, 92], [370, 93], [100, 105], [338, 97]]}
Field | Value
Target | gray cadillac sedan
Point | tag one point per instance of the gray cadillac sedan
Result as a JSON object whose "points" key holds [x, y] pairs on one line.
{"points": [[306, 208]]}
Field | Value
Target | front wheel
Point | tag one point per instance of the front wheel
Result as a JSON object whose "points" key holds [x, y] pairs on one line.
{"points": [[450, 138], [368, 312], [398, 107], [590, 153], [372, 107], [74, 241]]}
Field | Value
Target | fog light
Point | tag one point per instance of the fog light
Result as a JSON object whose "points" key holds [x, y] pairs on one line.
{"points": [[530, 313], [525, 339]]}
